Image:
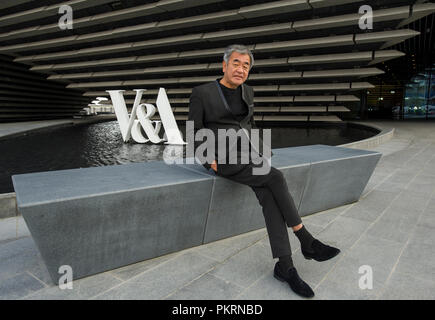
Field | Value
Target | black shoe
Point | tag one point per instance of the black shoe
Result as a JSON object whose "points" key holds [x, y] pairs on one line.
{"points": [[320, 251], [292, 278]]}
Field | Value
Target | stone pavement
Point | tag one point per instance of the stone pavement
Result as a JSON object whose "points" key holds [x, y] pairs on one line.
{"points": [[391, 230]]}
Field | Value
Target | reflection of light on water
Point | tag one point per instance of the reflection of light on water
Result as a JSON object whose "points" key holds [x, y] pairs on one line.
{"points": [[173, 154], [127, 153], [101, 144]]}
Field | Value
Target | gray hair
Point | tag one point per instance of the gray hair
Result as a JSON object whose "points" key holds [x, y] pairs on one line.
{"points": [[240, 49]]}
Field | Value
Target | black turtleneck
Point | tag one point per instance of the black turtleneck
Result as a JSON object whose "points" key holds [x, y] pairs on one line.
{"points": [[235, 101]]}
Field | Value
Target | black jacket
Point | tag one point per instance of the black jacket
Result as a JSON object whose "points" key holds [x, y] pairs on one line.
{"points": [[208, 109]]}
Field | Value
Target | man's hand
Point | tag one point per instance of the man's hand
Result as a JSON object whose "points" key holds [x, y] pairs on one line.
{"points": [[214, 165]]}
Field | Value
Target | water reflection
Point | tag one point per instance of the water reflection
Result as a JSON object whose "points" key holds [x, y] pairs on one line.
{"points": [[101, 144]]}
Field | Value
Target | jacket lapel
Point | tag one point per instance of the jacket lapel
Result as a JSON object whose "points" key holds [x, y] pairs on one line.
{"points": [[245, 98]]}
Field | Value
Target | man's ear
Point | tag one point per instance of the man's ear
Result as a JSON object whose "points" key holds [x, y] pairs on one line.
{"points": [[224, 66]]}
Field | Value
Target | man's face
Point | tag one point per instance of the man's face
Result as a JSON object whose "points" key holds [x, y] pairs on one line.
{"points": [[237, 70]]}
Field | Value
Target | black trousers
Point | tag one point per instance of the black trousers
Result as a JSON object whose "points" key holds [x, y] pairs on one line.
{"points": [[272, 192]]}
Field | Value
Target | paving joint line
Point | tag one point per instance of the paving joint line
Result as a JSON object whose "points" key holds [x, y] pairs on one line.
{"points": [[369, 226], [401, 252]]}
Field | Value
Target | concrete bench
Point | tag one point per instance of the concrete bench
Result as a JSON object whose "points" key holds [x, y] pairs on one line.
{"points": [[101, 218]]}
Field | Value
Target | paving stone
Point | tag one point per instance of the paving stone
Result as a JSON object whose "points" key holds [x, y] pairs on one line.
{"points": [[380, 254], [405, 287], [324, 218], [22, 230], [17, 257], [8, 228], [403, 217], [361, 212], [343, 232], [402, 176], [390, 187], [411, 201], [54, 293], [427, 218], [223, 249], [377, 200], [18, 286], [133, 270], [343, 283], [207, 287], [159, 282], [417, 259], [247, 266], [423, 234], [81, 289], [369, 187]]}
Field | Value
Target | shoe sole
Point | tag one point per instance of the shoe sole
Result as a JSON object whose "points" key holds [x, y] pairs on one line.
{"points": [[283, 280], [309, 258]]}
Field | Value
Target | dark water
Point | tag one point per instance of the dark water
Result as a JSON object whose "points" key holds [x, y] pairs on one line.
{"points": [[101, 144]]}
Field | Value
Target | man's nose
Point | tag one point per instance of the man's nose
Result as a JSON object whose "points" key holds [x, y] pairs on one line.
{"points": [[239, 69]]}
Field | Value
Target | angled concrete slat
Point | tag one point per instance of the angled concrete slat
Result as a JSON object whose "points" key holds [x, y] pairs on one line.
{"points": [[385, 55], [285, 118], [380, 56], [331, 58], [331, 3], [275, 7], [273, 99], [266, 109], [361, 85], [11, 3], [160, 70], [46, 11], [252, 31], [338, 109], [174, 91], [305, 25], [171, 5], [389, 37], [313, 87], [217, 17], [351, 19], [303, 109], [360, 72], [73, 65], [418, 11], [306, 43], [314, 99], [276, 75], [117, 15], [331, 41], [346, 98], [325, 118]]}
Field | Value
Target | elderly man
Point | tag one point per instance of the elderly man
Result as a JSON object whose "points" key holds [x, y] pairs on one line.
{"points": [[227, 103]]}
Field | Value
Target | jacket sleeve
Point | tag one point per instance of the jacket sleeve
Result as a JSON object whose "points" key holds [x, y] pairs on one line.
{"points": [[196, 114]]}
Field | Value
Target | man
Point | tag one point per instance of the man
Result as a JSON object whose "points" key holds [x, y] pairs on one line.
{"points": [[227, 103]]}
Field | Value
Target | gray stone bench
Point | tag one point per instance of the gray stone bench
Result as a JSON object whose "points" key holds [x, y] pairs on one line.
{"points": [[101, 218]]}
